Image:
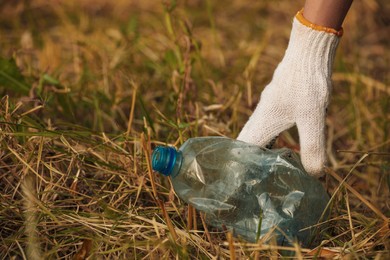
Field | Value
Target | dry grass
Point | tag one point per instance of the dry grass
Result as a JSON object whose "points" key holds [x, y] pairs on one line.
{"points": [[109, 81]]}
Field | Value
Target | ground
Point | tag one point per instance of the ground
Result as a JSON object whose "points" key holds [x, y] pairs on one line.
{"points": [[88, 88]]}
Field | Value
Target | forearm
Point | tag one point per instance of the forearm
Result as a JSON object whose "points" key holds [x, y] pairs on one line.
{"points": [[328, 13]]}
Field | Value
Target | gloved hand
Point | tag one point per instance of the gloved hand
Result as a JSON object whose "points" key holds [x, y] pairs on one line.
{"points": [[298, 94]]}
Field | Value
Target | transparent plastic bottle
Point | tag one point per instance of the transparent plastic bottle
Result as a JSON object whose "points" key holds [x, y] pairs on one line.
{"points": [[250, 190]]}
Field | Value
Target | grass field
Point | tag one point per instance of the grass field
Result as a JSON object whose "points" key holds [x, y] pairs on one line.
{"points": [[89, 87]]}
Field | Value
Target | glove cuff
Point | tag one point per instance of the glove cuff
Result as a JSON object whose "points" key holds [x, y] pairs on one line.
{"points": [[317, 27], [310, 51]]}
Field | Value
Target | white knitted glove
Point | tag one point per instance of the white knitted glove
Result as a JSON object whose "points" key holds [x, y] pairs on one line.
{"points": [[298, 94]]}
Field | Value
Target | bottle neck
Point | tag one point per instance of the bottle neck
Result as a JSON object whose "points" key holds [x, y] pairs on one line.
{"points": [[166, 160], [177, 166]]}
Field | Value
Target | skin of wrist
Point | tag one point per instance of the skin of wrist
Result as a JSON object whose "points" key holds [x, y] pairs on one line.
{"points": [[317, 27]]}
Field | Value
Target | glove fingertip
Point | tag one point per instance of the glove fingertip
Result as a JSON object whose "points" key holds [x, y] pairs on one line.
{"points": [[314, 166]]}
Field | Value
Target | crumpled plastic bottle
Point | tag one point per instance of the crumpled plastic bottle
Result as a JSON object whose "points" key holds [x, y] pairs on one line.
{"points": [[250, 190]]}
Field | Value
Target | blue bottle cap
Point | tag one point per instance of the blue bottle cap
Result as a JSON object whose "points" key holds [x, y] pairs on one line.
{"points": [[164, 159]]}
